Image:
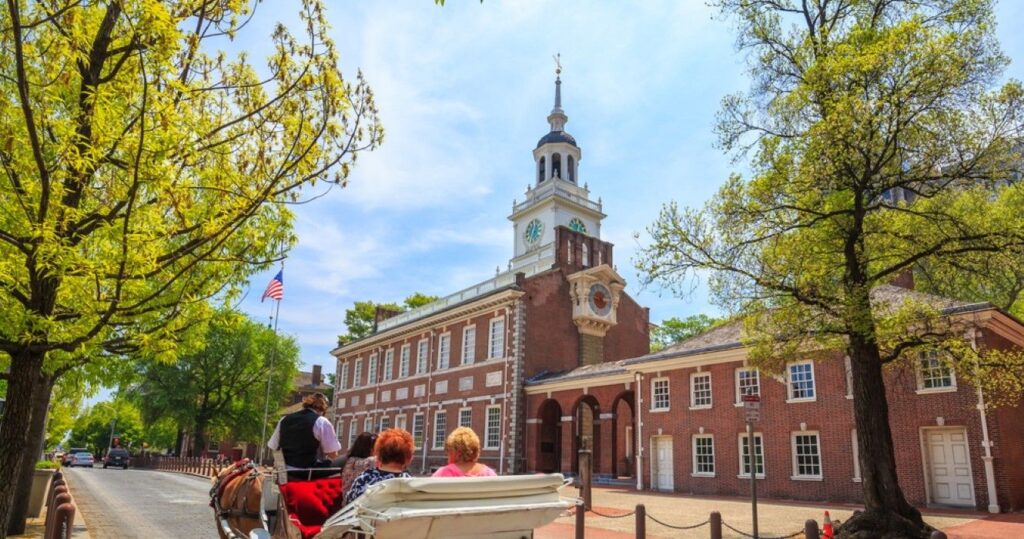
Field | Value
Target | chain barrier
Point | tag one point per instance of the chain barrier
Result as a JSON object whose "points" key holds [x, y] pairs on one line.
{"points": [[629, 514], [695, 526], [760, 536]]}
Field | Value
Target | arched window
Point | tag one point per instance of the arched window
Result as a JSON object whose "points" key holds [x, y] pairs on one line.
{"points": [[568, 251], [556, 165], [540, 169], [571, 169], [586, 256]]}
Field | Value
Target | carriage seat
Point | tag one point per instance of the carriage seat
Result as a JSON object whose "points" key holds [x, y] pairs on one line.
{"points": [[310, 503]]}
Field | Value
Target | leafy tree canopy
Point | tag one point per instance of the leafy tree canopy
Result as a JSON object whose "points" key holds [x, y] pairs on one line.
{"points": [[673, 330], [880, 143], [219, 390], [359, 318], [145, 170]]}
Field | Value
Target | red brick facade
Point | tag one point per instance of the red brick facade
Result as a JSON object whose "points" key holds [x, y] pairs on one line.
{"points": [[538, 336], [916, 416]]}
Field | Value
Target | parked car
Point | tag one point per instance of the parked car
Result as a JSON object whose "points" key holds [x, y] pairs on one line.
{"points": [[83, 458], [117, 457], [68, 457]]}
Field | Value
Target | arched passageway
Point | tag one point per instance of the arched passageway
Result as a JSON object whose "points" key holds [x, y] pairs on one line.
{"points": [[623, 434], [587, 431], [549, 438]]}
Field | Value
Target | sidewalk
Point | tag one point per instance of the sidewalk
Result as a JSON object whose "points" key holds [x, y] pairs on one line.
{"points": [[36, 527], [775, 517]]}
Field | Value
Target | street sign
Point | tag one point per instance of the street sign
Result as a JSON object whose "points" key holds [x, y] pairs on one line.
{"points": [[752, 408]]}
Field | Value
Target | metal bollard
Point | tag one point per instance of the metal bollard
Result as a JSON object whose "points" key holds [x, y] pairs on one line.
{"points": [[59, 499], [938, 534], [811, 529], [715, 522], [641, 521], [64, 521], [581, 515]]}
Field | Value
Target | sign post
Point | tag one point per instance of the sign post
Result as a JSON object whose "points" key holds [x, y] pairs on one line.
{"points": [[752, 411]]}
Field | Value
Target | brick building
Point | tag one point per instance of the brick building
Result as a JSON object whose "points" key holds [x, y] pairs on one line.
{"points": [[464, 359], [676, 420]]}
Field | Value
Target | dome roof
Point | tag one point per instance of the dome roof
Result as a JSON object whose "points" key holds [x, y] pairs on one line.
{"points": [[556, 136]]}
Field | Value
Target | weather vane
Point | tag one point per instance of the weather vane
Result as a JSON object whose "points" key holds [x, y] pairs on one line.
{"points": [[558, 63]]}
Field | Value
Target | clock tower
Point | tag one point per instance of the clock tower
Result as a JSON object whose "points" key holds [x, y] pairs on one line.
{"points": [[555, 197]]}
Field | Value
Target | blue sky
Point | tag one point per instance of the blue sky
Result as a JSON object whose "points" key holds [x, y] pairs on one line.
{"points": [[464, 91]]}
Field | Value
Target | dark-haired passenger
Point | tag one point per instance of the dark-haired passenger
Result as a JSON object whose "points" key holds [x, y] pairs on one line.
{"points": [[393, 451], [359, 459]]}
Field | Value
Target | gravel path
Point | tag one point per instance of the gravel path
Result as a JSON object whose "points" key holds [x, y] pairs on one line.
{"points": [[140, 503]]}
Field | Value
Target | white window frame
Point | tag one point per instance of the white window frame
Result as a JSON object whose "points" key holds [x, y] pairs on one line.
{"points": [[401, 421], [742, 445], [792, 448], [384, 422], [468, 345], [496, 340], [353, 427], [444, 351], [492, 428], [919, 373], [789, 382], [371, 370], [357, 374], [856, 456], [693, 447], [438, 443], [389, 364], [693, 391], [403, 360], [339, 430], [655, 405], [368, 424], [422, 355], [463, 411], [737, 377], [418, 441], [343, 377]]}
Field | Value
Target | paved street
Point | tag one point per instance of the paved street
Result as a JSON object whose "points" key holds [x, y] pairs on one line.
{"points": [[141, 503]]}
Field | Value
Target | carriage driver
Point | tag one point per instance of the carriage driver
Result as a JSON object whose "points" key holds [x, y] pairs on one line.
{"points": [[307, 439]]}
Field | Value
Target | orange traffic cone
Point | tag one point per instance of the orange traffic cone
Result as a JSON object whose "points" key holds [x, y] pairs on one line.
{"points": [[826, 528]]}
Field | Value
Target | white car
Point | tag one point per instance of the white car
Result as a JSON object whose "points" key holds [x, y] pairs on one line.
{"points": [[82, 459]]}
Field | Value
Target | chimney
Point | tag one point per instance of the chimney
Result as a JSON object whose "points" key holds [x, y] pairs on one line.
{"points": [[904, 279], [316, 375]]}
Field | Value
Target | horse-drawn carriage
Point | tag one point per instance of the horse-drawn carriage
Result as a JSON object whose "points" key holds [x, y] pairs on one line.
{"points": [[248, 506]]}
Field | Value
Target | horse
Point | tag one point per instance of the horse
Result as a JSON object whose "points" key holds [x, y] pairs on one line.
{"points": [[235, 498]]}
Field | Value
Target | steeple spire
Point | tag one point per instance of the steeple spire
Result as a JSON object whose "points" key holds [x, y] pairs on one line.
{"points": [[557, 118]]}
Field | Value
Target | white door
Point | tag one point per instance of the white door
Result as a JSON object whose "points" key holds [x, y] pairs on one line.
{"points": [[662, 472], [949, 467]]}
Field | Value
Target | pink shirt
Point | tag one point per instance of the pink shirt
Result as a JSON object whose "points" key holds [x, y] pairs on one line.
{"points": [[451, 470]]}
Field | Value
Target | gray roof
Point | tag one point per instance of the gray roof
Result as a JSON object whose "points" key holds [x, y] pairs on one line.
{"points": [[729, 335], [556, 136]]}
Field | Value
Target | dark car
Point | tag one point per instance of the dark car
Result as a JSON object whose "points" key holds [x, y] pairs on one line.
{"points": [[69, 457], [116, 457]]}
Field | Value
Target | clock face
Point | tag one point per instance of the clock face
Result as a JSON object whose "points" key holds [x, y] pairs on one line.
{"points": [[534, 230], [577, 225], [600, 299]]}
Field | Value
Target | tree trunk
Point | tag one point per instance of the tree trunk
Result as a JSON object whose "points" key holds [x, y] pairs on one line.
{"points": [[199, 444], [886, 509], [41, 395], [26, 368], [179, 442]]}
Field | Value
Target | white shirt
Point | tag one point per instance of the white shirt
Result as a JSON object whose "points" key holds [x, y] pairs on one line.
{"points": [[323, 431]]}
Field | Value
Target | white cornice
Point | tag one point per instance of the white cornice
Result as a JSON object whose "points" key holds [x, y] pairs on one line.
{"points": [[579, 383]]}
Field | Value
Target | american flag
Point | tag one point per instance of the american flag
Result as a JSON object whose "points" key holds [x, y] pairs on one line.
{"points": [[275, 288]]}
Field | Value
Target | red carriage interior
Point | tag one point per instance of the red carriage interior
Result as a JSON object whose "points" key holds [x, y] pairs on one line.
{"points": [[309, 503]]}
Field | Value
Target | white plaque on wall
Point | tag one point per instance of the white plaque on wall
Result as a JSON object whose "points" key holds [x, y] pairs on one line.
{"points": [[493, 379]]}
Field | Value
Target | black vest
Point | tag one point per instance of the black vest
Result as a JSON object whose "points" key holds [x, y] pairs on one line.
{"points": [[297, 441]]}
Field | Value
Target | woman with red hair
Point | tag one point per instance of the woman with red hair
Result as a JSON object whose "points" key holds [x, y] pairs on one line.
{"points": [[393, 450]]}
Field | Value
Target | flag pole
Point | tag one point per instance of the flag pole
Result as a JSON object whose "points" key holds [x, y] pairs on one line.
{"points": [[270, 377]]}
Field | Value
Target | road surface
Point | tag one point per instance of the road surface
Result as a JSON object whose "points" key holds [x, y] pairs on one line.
{"points": [[141, 503]]}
